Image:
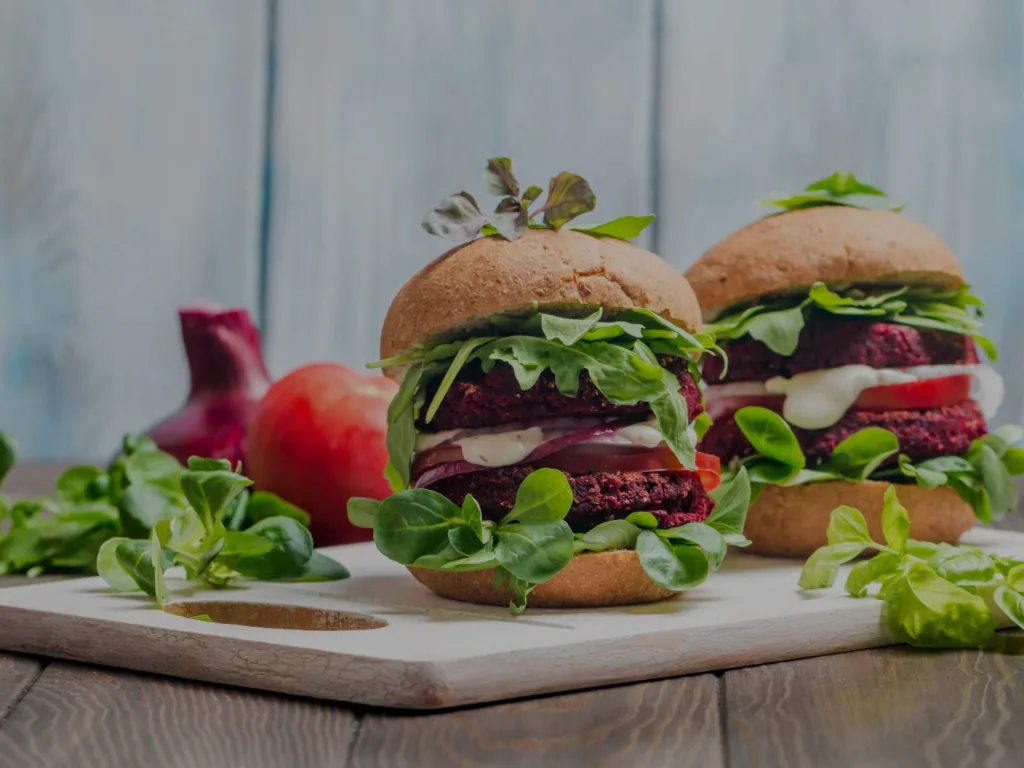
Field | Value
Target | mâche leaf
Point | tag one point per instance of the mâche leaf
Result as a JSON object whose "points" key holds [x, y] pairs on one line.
{"points": [[673, 566], [543, 497], [821, 568], [611, 534], [847, 525], [770, 435], [534, 552], [413, 523], [569, 196]]}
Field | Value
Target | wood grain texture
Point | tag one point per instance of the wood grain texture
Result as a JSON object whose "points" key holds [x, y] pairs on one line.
{"points": [[890, 708], [382, 109], [131, 147], [921, 98], [672, 722], [76, 716], [17, 674]]}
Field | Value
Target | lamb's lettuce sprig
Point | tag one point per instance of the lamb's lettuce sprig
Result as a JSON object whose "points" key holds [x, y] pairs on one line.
{"points": [[619, 354], [982, 477], [933, 595], [205, 539], [531, 544], [777, 324]]}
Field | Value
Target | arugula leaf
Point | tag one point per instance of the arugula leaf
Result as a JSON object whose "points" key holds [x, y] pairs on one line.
{"points": [[622, 228], [569, 196], [568, 330], [779, 331]]}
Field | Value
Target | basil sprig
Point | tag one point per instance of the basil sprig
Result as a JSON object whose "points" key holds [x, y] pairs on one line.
{"points": [[778, 324], [933, 595], [458, 217], [840, 188], [205, 538], [620, 355], [982, 477], [421, 528]]}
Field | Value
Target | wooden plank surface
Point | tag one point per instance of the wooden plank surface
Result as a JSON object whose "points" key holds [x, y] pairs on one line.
{"points": [[82, 716], [17, 674], [382, 109], [921, 98], [893, 707], [131, 149], [671, 722]]}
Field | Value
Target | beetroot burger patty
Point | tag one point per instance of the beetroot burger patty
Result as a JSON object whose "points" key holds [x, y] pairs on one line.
{"points": [[674, 497], [831, 341], [946, 431], [479, 400]]}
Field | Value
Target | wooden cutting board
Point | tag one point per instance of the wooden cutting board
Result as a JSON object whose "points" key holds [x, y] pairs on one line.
{"points": [[427, 652]]}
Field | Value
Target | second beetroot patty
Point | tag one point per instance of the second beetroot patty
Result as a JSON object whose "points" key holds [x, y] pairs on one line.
{"points": [[478, 400], [831, 341], [946, 431], [674, 497]]}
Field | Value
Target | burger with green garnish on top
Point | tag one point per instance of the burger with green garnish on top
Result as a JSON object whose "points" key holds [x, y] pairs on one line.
{"points": [[853, 362], [543, 441]]}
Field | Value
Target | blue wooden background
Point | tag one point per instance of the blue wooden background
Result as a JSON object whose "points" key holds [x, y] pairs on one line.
{"points": [[279, 154]]}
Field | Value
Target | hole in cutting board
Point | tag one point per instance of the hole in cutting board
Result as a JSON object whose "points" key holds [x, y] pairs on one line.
{"points": [[272, 616]]}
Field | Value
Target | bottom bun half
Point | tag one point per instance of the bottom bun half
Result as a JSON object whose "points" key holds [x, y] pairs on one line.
{"points": [[792, 522], [591, 580]]}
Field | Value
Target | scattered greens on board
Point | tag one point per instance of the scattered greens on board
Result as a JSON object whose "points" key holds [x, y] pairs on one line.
{"points": [[146, 512], [982, 477], [620, 355], [458, 217], [840, 188], [777, 324], [933, 595], [532, 543]]}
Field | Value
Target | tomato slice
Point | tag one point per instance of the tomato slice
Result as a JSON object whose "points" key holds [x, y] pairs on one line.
{"points": [[917, 395]]}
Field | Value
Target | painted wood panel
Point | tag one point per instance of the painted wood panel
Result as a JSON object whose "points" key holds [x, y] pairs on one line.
{"points": [[921, 98], [131, 142], [381, 109]]}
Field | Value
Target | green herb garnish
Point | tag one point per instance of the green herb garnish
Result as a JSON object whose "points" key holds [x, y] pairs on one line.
{"points": [[982, 477], [276, 548], [777, 324], [620, 356], [421, 528], [838, 189], [933, 595], [458, 217]]}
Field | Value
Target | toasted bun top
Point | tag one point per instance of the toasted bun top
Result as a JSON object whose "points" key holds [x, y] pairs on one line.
{"points": [[460, 290], [832, 244]]}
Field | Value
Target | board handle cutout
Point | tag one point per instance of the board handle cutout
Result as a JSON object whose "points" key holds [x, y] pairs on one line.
{"points": [[274, 616]]}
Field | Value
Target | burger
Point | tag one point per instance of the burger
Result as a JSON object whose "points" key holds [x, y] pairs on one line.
{"points": [[854, 353], [543, 440]]}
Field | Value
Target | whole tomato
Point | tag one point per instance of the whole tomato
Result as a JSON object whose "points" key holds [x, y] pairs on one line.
{"points": [[316, 439]]}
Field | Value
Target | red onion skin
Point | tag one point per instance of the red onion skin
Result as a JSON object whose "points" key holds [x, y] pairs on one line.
{"points": [[228, 378]]}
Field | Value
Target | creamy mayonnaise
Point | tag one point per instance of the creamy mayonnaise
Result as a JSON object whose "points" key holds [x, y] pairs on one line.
{"points": [[818, 399]]}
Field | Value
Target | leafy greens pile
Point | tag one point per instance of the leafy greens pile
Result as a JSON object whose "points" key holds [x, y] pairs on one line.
{"points": [[202, 517], [982, 477], [533, 543], [620, 355], [777, 324], [933, 595], [840, 188], [458, 217]]}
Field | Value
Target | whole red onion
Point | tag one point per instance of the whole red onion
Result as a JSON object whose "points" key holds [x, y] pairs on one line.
{"points": [[228, 378]]}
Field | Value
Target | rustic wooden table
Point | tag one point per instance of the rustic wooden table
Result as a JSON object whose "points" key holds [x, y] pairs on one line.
{"points": [[887, 707]]}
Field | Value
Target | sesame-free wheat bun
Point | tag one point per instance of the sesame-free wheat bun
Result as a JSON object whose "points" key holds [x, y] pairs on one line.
{"points": [[463, 288], [834, 244], [593, 580], [791, 522]]}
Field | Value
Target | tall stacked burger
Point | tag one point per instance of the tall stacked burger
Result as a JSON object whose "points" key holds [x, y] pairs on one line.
{"points": [[543, 440], [854, 361]]}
